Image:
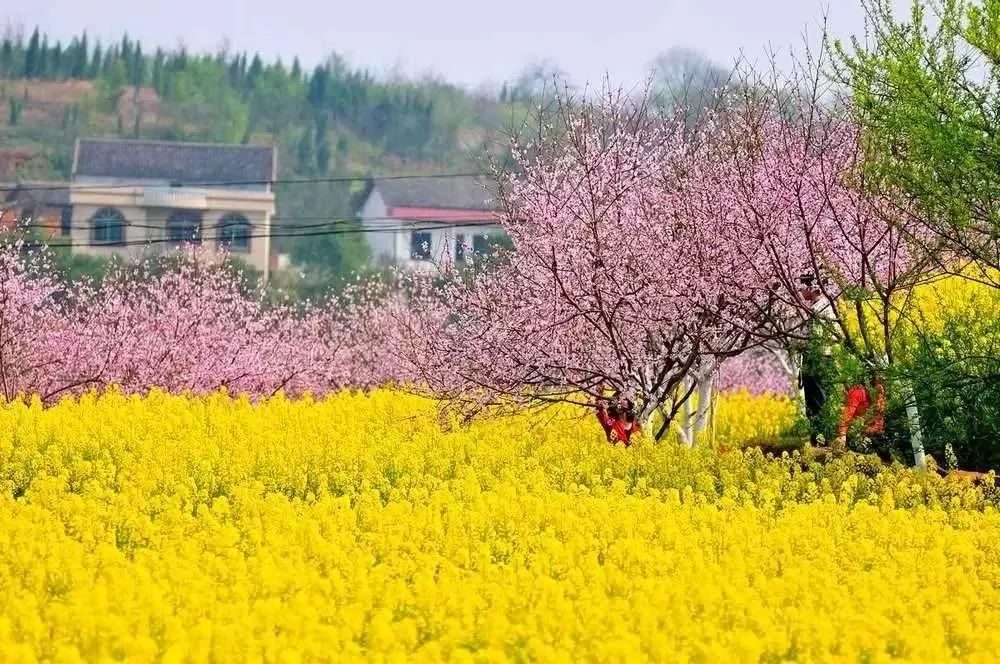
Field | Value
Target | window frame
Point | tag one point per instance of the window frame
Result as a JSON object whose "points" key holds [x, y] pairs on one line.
{"points": [[234, 220], [424, 253], [183, 219], [485, 247], [104, 219]]}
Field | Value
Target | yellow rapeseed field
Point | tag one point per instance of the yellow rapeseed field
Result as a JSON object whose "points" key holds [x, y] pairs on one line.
{"points": [[360, 528]]}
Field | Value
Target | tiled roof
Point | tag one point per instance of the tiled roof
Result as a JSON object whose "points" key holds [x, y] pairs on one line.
{"points": [[174, 161], [457, 193]]}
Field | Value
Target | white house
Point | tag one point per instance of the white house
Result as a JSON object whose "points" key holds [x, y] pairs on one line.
{"points": [[419, 222]]}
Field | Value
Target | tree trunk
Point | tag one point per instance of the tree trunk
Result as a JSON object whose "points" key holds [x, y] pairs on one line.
{"points": [[687, 428], [704, 392], [913, 420]]}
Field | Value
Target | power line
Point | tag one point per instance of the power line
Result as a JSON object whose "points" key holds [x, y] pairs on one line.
{"points": [[238, 183], [401, 224], [317, 233]]}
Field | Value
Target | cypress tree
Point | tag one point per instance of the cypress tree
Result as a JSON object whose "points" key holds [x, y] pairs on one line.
{"points": [[80, 54], [7, 57], [158, 72], [111, 60], [304, 152], [59, 61], [296, 69], [256, 69], [31, 57], [138, 67], [96, 63], [15, 111], [323, 155], [44, 65], [318, 87], [234, 72]]}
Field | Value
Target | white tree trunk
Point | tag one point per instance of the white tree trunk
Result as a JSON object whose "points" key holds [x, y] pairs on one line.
{"points": [[704, 392], [913, 419], [687, 429]]}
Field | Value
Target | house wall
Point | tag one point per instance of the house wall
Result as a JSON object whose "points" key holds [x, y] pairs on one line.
{"points": [[393, 244], [382, 244], [444, 240], [146, 210]]}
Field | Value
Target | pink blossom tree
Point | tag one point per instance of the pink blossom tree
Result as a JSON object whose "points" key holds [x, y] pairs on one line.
{"points": [[610, 282], [789, 190], [191, 328]]}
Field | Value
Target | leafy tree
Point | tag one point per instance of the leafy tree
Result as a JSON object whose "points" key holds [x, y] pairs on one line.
{"points": [[926, 90], [112, 84], [304, 153]]}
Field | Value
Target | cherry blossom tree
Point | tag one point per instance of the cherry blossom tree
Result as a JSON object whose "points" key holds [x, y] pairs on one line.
{"points": [[193, 327], [788, 191], [609, 282]]}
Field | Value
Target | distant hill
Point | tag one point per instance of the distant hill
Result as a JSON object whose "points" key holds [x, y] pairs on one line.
{"points": [[333, 120]]}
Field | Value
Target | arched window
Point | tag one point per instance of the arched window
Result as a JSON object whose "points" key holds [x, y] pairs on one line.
{"points": [[184, 227], [234, 233], [108, 227]]}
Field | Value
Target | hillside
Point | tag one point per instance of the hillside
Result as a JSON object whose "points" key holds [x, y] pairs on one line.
{"points": [[335, 120]]}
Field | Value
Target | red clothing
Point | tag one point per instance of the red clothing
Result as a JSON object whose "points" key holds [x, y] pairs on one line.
{"points": [[615, 428], [857, 403]]}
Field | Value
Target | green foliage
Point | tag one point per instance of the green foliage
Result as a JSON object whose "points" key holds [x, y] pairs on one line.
{"points": [[926, 91], [16, 106], [955, 372], [73, 267], [335, 120]]}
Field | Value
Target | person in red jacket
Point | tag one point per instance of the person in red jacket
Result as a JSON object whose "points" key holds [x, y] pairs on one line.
{"points": [[617, 418], [857, 405]]}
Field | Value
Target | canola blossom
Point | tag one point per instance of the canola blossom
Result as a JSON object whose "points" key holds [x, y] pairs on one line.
{"points": [[370, 528]]}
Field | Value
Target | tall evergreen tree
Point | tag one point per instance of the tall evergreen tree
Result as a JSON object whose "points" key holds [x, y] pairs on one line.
{"points": [[96, 63], [126, 49], [138, 67], [80, 54], [57, 66], [7, 57], [256, 69], [234, 73], [31, 56], [296, 69], [42, 68], [158, 72], [318, 86], [304, 153]]}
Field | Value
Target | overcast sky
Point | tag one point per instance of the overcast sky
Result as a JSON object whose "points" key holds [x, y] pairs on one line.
{"points": [[465, 41]]}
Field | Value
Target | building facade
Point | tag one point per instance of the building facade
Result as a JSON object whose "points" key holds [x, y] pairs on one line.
{"points": [[420, 222], [144, 198]]}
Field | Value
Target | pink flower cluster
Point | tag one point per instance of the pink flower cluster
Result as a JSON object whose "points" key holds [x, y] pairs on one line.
{"points": [[190, 329]]}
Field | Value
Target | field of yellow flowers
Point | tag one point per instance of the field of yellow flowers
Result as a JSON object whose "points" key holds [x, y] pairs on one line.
{"points": [[366, 528]]}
